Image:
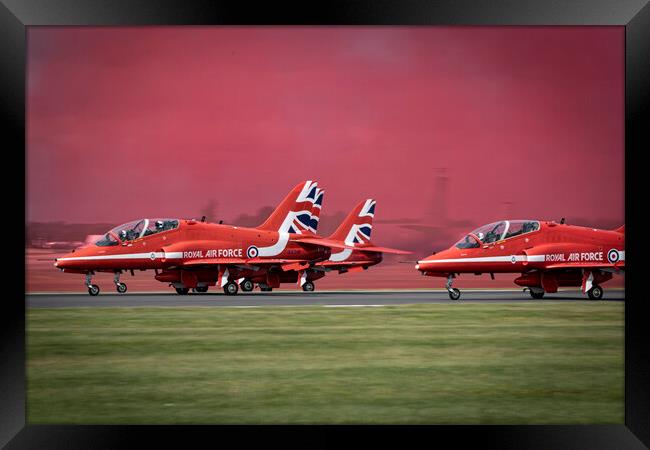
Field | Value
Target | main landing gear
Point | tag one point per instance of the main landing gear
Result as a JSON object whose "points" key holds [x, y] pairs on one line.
{"points": [[230, 288], [200, 289], [454, 293], [595, 293], [182, 291], [308, 286], [246, 285], [120, 287], [93, 289], [265, 287]]}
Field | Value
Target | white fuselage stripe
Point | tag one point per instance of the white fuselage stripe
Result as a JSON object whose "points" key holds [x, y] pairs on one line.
{"points": [[518, 258], [170, 255], [277, 248]]}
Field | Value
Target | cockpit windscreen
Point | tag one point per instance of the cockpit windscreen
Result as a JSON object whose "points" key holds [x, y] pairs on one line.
{"points": [[497, 231], [137, 229]]}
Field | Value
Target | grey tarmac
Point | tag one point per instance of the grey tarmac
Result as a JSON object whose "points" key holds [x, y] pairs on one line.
{"points": [[217, 298]]}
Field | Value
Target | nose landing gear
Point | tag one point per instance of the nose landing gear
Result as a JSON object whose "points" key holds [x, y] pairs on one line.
{"points": [[454, 293], [93, 289], [308, 286]]}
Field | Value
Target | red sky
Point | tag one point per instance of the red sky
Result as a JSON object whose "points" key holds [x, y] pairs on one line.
{"points": [[155, 121]]}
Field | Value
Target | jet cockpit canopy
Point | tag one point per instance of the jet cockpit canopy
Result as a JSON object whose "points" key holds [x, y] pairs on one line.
{"points": [[497, 231], [135, 230]]}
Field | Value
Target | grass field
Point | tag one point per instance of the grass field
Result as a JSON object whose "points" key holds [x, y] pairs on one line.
{"points": [[550, 362]]}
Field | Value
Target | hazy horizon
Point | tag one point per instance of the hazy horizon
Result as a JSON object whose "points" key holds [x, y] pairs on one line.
{"points": [[136, 122]]}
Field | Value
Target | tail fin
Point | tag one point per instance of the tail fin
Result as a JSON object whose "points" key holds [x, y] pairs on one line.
{"points": [[315, 210], [357, 226], [294, 213], [620, 229]]}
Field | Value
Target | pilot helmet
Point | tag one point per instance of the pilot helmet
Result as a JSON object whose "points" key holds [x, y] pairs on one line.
{"points": [[480, 235], [159, 224], [123, 234]]}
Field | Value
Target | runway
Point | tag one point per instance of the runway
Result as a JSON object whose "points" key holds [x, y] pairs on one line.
{"points": [[284, 298]]}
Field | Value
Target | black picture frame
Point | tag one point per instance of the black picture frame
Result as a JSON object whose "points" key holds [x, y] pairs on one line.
{"points": [[16, 15]]}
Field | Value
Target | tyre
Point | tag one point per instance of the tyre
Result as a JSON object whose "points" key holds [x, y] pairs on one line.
{"points": [[121, 288], [537, 295], [230, 288], [308, 286], [454, 293], [202, 289], [182, 291], [246, 285], [595, 293], [93, 289]]}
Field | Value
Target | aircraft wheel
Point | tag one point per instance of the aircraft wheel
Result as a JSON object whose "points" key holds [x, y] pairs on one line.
{"points": [[308, 286], [246, 285], [182, 291], [93, 289], [230, 288], [121, 288], [202, 289], [537, 295], [595, 293], [454, 293]]}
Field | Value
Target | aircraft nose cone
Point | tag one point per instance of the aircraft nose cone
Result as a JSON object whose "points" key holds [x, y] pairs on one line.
{"points": [[61, 262]]}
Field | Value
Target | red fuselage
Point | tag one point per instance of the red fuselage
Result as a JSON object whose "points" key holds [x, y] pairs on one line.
{"points": [[563, 251], [191, 243]]}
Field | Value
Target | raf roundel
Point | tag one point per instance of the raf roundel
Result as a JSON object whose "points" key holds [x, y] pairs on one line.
{"points": [[613, 256], [152, 256], [252, 252]]}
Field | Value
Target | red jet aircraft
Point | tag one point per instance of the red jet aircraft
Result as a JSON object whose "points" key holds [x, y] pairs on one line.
{"points": [[192, 254], [547, 255], [303, 275], [353, 232]]}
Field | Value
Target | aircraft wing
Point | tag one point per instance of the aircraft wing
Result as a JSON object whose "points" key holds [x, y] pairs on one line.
{"points": [[373, 248], [323, 242], [227, 261], [337, 263]]}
